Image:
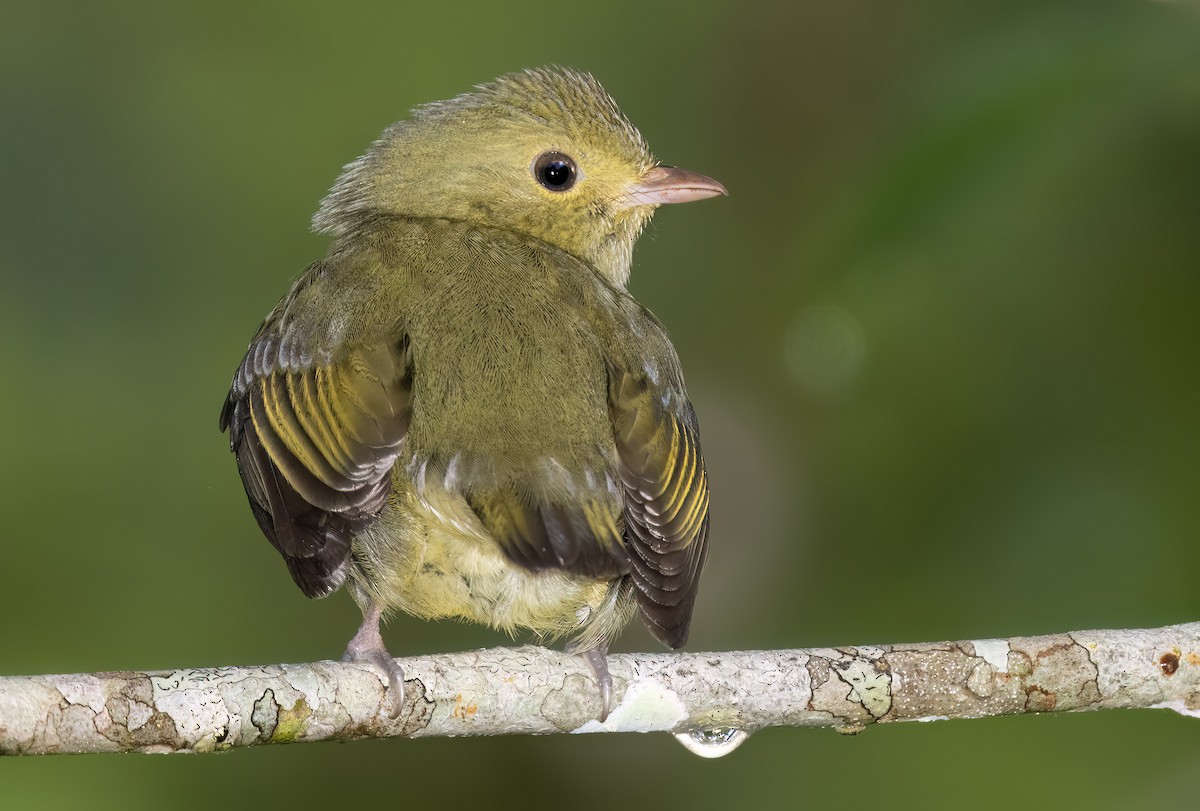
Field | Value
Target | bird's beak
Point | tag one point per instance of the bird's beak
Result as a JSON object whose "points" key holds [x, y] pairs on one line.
{"points": [[669, 184]]}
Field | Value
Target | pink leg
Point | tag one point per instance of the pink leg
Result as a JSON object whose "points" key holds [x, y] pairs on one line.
{"points": [[367, 648]]}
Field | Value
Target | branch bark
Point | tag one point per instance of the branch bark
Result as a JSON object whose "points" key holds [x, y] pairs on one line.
{"points": [[711, 701]]}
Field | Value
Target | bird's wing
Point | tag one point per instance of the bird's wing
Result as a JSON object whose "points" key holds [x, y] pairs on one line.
{"points": [[316, 427], [580, 535], [666, 495]]}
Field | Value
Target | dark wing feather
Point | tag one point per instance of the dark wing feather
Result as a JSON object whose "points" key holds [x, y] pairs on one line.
{"points": [[582, 538], [315, 442], [666, 500]]}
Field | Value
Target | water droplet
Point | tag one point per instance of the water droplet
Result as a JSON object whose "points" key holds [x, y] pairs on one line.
{"points": [[713, 742]]}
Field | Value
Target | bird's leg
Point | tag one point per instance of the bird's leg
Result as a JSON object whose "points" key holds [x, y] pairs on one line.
{"points": [[367, 647], [597, 660]]}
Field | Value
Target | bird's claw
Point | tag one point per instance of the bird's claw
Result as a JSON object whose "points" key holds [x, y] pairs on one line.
{"points": [[598, 662], [367, 648], [394, 693]]}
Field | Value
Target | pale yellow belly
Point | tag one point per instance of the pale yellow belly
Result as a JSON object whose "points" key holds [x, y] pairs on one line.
{"points": [[436, 561]]}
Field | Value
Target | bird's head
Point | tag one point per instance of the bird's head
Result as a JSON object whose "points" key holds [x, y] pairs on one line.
{"points": [[542, 152]]}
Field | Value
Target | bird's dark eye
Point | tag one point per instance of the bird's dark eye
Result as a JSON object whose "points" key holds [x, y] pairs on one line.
{"points": [[555, 171]]}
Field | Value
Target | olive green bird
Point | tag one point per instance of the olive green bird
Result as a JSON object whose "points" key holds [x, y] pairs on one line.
{"points": [[460, 411]]}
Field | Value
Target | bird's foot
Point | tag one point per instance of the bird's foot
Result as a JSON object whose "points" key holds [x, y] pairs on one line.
{"points": [[598, 662], [367, 648]]}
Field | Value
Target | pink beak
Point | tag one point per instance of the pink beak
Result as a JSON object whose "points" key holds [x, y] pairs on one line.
{"points": [[668, 184]]}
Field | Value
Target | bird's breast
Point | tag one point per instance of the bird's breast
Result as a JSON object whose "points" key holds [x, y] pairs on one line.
{"points": [[500, 372], [509, 396]]}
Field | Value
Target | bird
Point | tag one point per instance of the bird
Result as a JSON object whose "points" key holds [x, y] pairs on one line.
{"points": [[461, 411]]}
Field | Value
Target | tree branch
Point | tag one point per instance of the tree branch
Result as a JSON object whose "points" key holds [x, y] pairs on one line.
{"points": [[708, 699]]}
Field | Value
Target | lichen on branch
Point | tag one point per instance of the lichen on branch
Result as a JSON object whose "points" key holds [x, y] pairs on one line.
{"points": [[532, 690]]}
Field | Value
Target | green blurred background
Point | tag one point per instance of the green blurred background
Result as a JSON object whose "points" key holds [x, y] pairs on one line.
{"points": [[941, 339]]}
